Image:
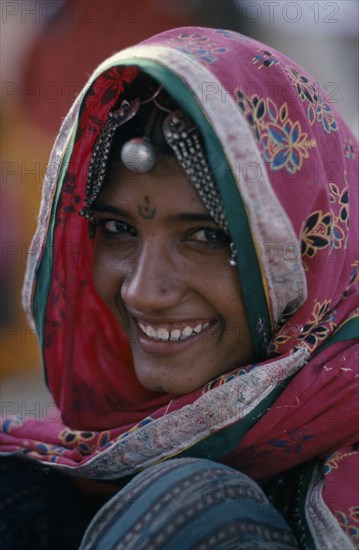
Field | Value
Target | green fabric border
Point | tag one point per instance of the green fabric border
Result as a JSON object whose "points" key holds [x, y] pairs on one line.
{"points": [[44, 272]]}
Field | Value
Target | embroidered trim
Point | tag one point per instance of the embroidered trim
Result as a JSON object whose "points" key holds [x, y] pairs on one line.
{"points": [[175, 432], [323, 526]]}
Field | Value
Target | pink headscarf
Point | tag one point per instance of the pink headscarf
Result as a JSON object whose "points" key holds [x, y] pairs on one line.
{"points": [[288, 183]]}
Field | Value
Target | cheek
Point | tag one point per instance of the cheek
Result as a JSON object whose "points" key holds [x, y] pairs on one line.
{"points": [[100, 281], [235, 314], [107, 273]]}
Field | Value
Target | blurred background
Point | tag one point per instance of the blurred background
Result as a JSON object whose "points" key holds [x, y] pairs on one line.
{"points": [[49, 49]]}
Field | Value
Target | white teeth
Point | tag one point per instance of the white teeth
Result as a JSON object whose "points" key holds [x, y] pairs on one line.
{"points": [[150, 331], [187, 331], [163, 334], [175, 334]]}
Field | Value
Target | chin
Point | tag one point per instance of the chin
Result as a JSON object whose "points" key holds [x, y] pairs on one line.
{"points": [[174, 387]]}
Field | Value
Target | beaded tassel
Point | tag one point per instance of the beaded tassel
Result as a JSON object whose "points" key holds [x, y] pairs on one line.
{"points": [[184, 141], [99, 160]]}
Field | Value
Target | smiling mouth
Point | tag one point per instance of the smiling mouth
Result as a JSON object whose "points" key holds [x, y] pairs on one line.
{"points": [[166, 334]]}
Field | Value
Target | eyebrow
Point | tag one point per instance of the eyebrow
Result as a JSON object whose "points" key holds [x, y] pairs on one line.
{"points": [[193, 217], [182, 217], [102, 207]]}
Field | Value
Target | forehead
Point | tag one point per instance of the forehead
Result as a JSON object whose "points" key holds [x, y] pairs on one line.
{"points": [[166, 183]]}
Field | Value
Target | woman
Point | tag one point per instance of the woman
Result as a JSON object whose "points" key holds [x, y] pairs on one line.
{"points": [[202, 305]]}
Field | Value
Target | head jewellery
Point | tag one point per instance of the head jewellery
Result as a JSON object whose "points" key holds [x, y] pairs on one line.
{"points": [[139, 155]]}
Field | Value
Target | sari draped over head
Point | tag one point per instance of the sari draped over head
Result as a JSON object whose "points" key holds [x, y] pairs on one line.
{"points": [[286, 166]]}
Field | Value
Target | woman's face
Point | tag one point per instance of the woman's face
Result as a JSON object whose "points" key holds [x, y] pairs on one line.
{"points": [[161, 266]]}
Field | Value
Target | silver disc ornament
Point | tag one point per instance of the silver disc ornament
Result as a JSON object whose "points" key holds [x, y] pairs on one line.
{"points": [[138, 155]]}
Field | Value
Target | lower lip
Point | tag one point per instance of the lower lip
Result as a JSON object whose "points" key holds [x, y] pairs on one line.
{"points": [[163, 348]]}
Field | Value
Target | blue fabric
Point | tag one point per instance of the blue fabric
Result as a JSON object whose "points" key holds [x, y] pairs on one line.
{"points": [[185, 504]]}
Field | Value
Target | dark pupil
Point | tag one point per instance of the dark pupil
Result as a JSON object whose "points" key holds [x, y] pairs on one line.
{"points": [[215, 236]]}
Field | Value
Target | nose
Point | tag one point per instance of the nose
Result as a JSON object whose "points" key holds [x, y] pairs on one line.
{"points": [[153, 282]]}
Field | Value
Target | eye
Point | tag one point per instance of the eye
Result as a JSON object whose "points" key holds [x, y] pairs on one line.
{"points": [[111, 228], [211, 236]]}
